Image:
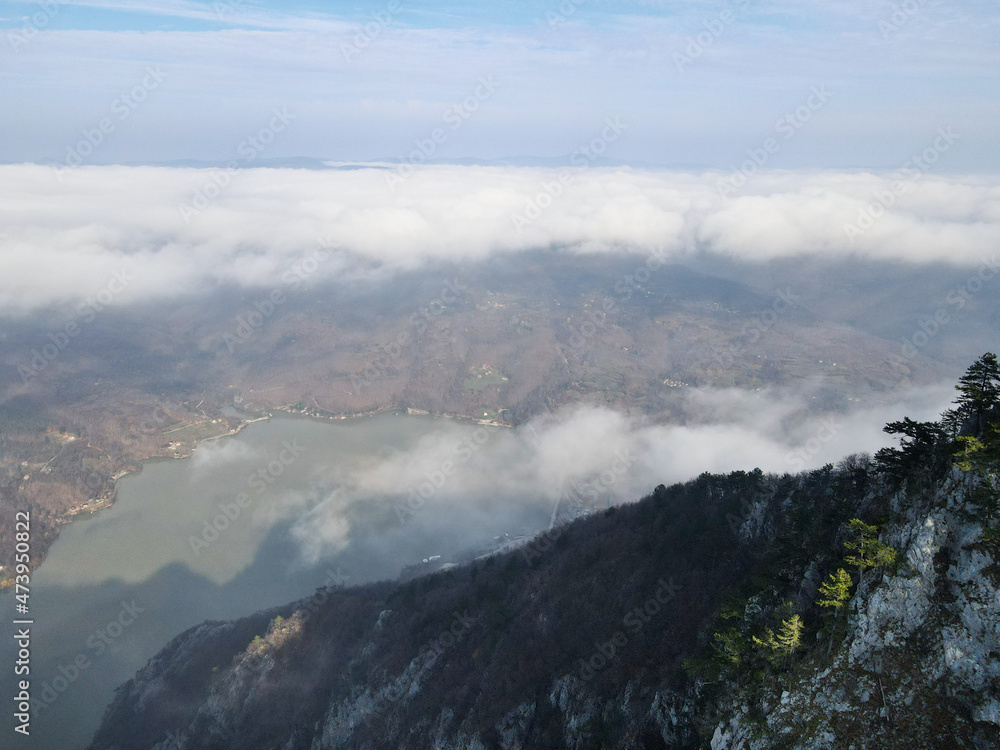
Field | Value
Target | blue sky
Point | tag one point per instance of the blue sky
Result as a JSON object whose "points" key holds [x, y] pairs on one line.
{"points": [[559, 71]]}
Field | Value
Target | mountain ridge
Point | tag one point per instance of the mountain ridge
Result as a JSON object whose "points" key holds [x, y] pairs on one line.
{"points": [[650, 625]]}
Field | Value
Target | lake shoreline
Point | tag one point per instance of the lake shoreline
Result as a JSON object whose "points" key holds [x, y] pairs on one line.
{"points": [[108, 499]]}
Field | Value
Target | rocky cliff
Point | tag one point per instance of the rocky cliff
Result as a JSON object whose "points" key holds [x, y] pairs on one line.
{"points": [[919, 665]]}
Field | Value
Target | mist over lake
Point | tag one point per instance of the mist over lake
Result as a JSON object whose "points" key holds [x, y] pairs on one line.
{"points": [[119, 584]]}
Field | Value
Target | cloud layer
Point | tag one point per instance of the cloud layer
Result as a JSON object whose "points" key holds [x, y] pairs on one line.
{"points": [[172, 230], [591, 455]]}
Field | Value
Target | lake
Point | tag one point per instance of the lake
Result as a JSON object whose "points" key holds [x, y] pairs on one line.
{"points": [[248, 522]]}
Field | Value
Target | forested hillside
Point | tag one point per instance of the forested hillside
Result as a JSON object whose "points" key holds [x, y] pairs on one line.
{"points": [[851, 606]]}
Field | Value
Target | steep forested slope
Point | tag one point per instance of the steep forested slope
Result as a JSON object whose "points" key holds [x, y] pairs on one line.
{"points": [[852, 606]]}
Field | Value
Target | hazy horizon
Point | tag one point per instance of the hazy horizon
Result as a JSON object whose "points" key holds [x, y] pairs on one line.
{"points": [[696, 83]]}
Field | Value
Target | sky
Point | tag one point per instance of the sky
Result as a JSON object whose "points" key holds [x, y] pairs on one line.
{"points": [[699, 85]]}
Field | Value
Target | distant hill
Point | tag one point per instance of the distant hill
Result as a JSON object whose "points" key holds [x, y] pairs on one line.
{"points": [[626, 331]]}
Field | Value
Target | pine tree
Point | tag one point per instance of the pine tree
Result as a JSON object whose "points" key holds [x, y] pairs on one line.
{"points": [[868, 551], [924, 451], [979, 457], [790, 634], [836, 590], [727, 645], [783, 644], [834, 593], [979, 393]]}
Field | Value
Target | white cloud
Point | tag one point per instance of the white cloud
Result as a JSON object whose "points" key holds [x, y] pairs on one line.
{"points": [[603, 453], [214, 454], [64, 240]]}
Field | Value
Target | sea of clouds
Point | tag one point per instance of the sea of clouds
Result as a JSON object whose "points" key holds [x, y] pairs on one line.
{"points": [[64, 236]]}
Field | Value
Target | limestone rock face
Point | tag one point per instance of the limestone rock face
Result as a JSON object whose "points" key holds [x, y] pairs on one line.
{"points": [[923, 650]]}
